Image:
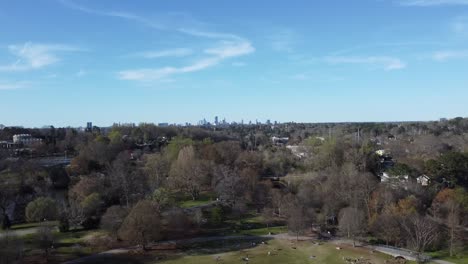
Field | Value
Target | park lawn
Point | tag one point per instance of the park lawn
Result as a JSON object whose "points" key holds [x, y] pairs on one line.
{"points": [[205, 198], [67, 245], [261, 231], [460, 258], [282, 251], [32, 225]]}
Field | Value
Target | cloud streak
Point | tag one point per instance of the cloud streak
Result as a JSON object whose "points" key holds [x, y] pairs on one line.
{"points": [[30, 56], [227, 46], [116, 14], [179, 52], [450, 55], [226, 50], [384, 62], [13, 86]]}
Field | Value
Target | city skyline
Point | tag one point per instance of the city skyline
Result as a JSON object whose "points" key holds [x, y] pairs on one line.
{"points": [[66, 62]]}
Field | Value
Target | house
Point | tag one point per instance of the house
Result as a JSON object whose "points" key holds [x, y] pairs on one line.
{"points": [[380, 152], [279, 140], [8, 145], [25, 139], [423, 180], [393, 179], [297, 151]]}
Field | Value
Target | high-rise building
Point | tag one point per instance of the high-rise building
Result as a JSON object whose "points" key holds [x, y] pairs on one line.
{"points": [[89, 126], [216, 120]]}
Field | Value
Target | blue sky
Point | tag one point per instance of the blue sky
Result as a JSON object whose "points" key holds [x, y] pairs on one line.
{"points": [[65, 62]]}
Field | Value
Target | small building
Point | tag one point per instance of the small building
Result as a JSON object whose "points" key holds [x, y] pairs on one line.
{"points": [[279, 140], [423, 180], [25, 139], [8, 145], [380, 152], [393, 179]]}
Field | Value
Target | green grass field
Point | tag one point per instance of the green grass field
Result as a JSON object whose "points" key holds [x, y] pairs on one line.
{"points": [[282, 251], [205, 198], [459, 258]]}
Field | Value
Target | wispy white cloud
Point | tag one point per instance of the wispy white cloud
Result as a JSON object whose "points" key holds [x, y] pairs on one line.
{"points": [[30, 56], [116, 14], [227, 46], [450, 55], [218, 54], [282, 40], [13, 85], [207, 34], [179, 52], [432, 2], [384, 62], [229, 49]]}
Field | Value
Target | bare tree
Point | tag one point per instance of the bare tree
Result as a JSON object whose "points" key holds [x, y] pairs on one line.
{"points": [[142, 225], [113, 219], [188, 173], [228, 184], [352, 222], [197, 217], [157, 168], [297, 220], [126, 179], [387, 227], [449, 207], [421, 231]]}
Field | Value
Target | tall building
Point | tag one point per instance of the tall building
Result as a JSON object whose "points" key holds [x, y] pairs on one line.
{"points": [[89, 127], [216, 120]]}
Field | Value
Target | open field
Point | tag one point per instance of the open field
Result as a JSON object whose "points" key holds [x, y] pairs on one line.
{"points": [[281, 251], [204, 199], [459, 258]]}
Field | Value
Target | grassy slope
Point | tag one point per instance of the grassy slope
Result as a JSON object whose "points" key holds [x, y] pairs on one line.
{"points": [[461, 258], [205, 198], [326, 253]]}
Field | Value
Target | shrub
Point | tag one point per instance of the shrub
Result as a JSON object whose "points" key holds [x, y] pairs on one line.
{"points": [[41, 209]]}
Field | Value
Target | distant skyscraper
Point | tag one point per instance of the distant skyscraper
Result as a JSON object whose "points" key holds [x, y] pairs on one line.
{"points": [[89, 126], [216, 120]]}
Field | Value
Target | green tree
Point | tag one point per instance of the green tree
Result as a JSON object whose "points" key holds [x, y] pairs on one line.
{"points": [[162, 197], [217, 216], [175, 145], [43, 208], [91, 204]]}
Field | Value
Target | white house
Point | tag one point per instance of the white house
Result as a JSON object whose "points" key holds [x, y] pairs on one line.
{"points": [[424, 180], [393, 179]]}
